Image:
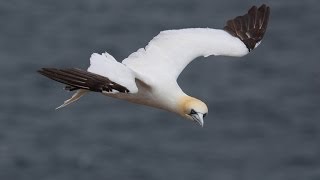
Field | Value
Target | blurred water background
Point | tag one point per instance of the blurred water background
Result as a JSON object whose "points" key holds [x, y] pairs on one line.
{"points": [[263, 120]]}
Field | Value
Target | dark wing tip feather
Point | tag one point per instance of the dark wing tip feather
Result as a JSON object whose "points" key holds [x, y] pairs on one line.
{"points": [[251, 27], [79, 79]]}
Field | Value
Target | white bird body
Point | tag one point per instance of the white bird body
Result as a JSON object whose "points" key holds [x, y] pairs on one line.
{"points": [[172, 51], [149, 75]]}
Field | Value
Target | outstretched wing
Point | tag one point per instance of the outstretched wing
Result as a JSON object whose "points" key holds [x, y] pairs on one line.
{"points": [[81, 79], [171, 51], [104, 75]]}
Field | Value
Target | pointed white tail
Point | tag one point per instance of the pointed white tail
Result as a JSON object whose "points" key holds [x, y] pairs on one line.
{"points": [[74, 98]]}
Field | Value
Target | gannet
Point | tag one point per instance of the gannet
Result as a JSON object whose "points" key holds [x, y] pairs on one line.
{"points": [[149, 75]]}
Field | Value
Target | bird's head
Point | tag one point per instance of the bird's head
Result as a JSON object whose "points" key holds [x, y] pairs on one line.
{"points": [[193, 109]]}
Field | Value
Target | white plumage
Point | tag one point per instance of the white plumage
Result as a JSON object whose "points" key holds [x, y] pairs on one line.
{"points": [[107, 66], [148, 76], [173, 50]]}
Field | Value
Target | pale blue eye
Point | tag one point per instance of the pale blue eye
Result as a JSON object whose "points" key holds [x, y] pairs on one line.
{"points": [[193, 112]]}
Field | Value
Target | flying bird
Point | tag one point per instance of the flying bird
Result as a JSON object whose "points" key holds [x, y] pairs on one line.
{"points": [[149, 75]]}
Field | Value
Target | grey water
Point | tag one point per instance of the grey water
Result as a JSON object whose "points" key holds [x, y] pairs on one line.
{"points": [[264, 108]]}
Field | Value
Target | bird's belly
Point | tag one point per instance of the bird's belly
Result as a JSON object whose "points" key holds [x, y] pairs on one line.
{"points": [[146, 99]]}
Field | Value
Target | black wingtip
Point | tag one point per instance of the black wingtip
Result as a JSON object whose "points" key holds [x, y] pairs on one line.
{"points": [[79, 79], [251, 27], [44, 71], [40, 71]]}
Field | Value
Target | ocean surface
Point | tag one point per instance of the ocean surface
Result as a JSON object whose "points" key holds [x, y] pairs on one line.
{"points": [[264, 108]]}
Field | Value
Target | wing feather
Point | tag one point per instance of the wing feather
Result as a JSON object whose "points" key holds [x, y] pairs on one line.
{"points": [[251, 27], [171, 51], [80, 79]]}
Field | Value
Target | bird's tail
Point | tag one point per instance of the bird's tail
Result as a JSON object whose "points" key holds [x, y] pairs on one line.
{"points": [[72, 78], [74, 98]]}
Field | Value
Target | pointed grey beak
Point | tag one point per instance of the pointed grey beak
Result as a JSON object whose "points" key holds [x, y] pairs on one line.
{"points": [[198, 118]]}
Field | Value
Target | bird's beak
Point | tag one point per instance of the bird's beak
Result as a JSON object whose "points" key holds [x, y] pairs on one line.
{"points": [[198, 118]]}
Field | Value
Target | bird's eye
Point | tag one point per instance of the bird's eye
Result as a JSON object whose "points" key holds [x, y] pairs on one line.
{"points": [[204, 115], [193, 112]]}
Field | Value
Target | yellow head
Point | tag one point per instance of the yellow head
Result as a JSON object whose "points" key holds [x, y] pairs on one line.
{"points": [[193, 109]]}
